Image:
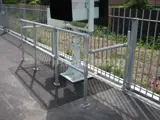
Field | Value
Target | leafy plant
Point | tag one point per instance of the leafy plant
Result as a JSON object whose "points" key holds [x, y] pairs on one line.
{"points": [[69, 52], [44, 2], [33, 2], [11, 1], [115, 67], [138, 4], [157, 44], [144, 82]]}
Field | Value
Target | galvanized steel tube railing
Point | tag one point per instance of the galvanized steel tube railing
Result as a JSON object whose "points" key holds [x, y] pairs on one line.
{"points": [[54, 53]]}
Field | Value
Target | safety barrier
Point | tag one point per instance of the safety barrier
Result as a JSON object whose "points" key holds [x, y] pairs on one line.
{"points": [[55, 54], [107, 65]]}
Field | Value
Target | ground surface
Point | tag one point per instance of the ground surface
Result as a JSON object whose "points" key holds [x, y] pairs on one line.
{"points": [[26, 95]]}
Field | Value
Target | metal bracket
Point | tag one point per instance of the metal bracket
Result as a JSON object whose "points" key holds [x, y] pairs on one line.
{"points": [[87, 4], [72, 74]]}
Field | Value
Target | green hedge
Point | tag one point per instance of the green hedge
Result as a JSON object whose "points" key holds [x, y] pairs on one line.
{"points": [[33, 2], [138, 4], [11, 1]]}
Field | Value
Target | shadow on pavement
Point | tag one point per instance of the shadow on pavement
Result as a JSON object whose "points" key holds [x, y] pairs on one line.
{"points": [[63, 103], [40, 86]]}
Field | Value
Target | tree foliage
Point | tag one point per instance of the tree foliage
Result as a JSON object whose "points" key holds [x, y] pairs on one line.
{"points": [[10, 1], [33, 2], [44, 2], [27, 1], [138, 4]]}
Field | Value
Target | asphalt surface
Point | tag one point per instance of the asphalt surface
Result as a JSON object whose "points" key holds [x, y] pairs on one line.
{"points": [[29, 95]]}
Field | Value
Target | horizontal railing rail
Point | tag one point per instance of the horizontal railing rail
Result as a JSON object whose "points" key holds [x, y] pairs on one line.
{"points": [[108, 48], [56, 28]]}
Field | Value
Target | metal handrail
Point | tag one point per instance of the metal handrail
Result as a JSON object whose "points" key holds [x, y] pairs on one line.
{"points": [[108, 48], [85, 35], [54, 52]]}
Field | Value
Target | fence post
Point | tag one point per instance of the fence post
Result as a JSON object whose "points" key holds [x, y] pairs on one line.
{"points": [[55, 47], [85, 91], [1, 16], [24, 13], [24, 17], [6, 20], [35, 49], [132, 39], [22, 43], [52, 47]]}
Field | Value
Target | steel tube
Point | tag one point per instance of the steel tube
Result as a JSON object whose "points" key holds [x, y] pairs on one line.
{"points": [[121, 50], [60, 29], [108, 48], [151, 58], [25, 27], [145, 53], [130, 55], [126, 63], [55, 48], [85, 104], [139, 49], [27, 9], [22, 42], [131, 18], [35, 50], [52, 47]]}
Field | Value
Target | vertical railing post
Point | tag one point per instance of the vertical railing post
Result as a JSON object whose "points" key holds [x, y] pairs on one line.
{"points": [[0, 14], [52, 47], [24, 13], [22, 43], [35, 44], [55, 48], [132, 39], [6, 20], [24, 17], [4, 24], [85, 91]]}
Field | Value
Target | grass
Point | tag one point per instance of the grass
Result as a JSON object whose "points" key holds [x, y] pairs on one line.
{"points": [[138, 4], [144, 82], [69, 52], [156, 91], [116, 67]]}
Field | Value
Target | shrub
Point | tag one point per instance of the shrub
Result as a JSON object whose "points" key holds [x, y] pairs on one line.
{"points": [[114, 66], [44, 2], [69, 52], [138, 4], [157, 43], [78, 24], [33, 3], [11, 1]]}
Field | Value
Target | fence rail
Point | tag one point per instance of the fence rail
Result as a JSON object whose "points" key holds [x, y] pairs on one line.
{"points": [[108, 64]]}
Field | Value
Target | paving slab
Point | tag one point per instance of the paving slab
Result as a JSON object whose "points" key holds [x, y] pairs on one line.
{"points": [[29, 95]]}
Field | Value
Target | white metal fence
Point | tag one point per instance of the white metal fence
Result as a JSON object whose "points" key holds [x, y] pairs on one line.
{"points": [[146, 77], [109, 64]]}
